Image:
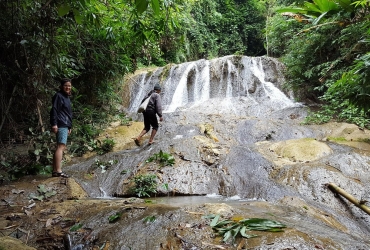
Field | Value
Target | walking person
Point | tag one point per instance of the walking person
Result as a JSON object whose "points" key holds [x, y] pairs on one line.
{"points": [[61, 123], [153, 109]]}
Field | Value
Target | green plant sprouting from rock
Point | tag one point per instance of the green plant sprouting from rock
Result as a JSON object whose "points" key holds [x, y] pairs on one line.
{"points": [[104, 165], [163, 158], [144, 185], [114, 217]]}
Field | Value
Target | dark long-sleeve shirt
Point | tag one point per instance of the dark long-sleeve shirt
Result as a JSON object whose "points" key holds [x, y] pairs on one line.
{"points": [[155, 103], [61, 110]]}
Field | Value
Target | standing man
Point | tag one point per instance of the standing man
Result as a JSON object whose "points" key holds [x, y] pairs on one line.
{"points": [[150, 119], [61, 123]]}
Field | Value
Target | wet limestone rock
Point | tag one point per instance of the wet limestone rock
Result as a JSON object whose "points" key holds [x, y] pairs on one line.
{"points": [[10, 243], [219, 208], [314, 212], [75, 191], [207, 130], [348, 134], [301, 150]]}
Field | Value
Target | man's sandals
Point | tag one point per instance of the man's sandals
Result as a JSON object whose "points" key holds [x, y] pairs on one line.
{"points": [[137, 142], [59, 174]]}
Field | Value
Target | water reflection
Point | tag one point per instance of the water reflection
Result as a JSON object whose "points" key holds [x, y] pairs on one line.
{"points": [[180, 201]]}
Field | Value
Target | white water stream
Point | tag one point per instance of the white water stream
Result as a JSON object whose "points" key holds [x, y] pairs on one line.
{"points": [[222, 82]]}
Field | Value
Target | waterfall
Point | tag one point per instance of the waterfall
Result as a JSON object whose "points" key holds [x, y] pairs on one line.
{"points": [[254, 80]]}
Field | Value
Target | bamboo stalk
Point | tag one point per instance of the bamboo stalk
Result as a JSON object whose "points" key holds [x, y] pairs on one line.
{"points": [[349, 197]]}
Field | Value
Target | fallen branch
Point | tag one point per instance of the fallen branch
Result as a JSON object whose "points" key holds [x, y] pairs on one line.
{"points": [[213, 245], [349, 197], [194, 213]]}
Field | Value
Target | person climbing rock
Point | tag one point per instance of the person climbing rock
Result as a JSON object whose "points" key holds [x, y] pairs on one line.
{"points": [[153, 109], [61, 123]]}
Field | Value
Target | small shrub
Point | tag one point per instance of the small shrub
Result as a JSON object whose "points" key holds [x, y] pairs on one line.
{"points": [[144, 185], [106, 146], [123, 119], [164, 159], [115, 217]]}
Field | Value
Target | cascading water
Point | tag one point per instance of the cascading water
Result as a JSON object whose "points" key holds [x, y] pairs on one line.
{"points": [[192, 84]]}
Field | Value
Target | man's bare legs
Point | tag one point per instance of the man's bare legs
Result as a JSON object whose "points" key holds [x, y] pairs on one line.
{"points": [[152, 136], [142, 133], [138, 139], [57, 159]]}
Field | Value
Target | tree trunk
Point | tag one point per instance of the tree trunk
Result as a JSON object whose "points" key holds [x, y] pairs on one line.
{"points": [[8, 108]]}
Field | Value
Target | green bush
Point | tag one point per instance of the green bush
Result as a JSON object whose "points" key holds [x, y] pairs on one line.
{"points": [[164, 159], [144, 185], [105, 146]]}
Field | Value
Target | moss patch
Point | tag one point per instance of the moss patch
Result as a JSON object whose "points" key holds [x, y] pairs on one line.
{"points": [[301, 150]]}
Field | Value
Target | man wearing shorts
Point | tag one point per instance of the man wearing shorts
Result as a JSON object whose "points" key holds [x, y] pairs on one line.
{"points": [[61, 123], [153, 109]]}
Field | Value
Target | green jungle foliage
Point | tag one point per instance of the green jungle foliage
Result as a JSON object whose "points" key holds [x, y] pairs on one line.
{"points": [[222, 28], [324, 45]]}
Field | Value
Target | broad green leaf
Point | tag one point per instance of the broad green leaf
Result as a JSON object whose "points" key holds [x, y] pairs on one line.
{"points": [[141, 6], [275, 230], [215, 220], [114, 218], [243, 234], [209, 216], [224, 222], [292, 10], [235, 231], [227, 236], [312, 7], [36, 197], [50, 193], [41, 188], [77, 16], [345, 4], [155, 7], [326, 5], [242, 231], [63, 10], [75, 227], [261, 224]]}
